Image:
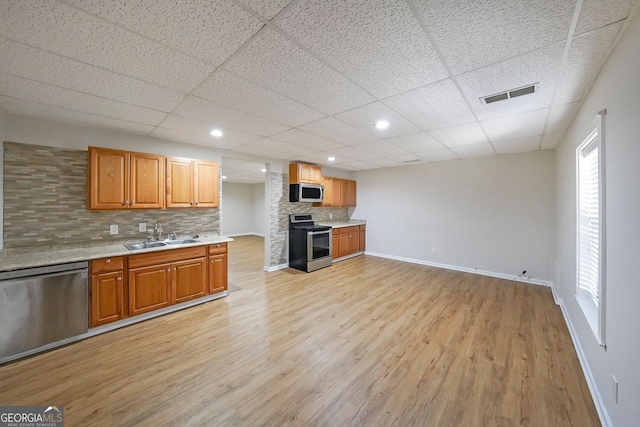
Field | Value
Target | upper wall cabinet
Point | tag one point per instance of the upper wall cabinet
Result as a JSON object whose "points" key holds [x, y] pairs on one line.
{"points": [[125, 180], [192, 183], [302, 173]]}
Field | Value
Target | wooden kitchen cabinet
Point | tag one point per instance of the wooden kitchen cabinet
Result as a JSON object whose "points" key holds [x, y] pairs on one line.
{"points": [[331, 192], [192, 183], [363, 237], [347, 193], [303, 173], [190, 279], [107, 291], [335, 243], [149, 288], [218, 272], [348, 240], [125, 180]]}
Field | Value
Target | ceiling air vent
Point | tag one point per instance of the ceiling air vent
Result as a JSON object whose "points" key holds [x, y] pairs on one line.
{"points": [[513, 93]]}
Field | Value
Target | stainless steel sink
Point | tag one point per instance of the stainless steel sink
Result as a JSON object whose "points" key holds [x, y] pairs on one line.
{"points": [[180, 242], [144, 245]]}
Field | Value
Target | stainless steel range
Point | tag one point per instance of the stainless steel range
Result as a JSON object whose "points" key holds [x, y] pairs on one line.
{"points": [[309, 244]]}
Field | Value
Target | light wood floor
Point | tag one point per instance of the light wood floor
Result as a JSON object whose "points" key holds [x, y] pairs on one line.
{"points": [[366, 342]]}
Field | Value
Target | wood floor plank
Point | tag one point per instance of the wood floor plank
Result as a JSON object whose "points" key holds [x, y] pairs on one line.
{"points": [[366, 342]]}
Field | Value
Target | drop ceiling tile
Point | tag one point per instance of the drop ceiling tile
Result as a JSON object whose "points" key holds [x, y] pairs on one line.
{"points": [[472, 34], [210, 30], [351, 153], [190, 138], [276, 63], [598, 13], [438, 155], [284, 147], [365, 118], [225, 117], [267, 8], [551, 141], [434, 106], [377, 43], [382, 149], [416, 143], [335, 130], [409, 158], [520, 145], [456, 136], [516, 126], [320, 158], [540, 66], [561, 117], [36, 64], [472, 151], [295, 136], [227, 89], [262, 152], [202, 129], [42, 93], [383, 162], [63, 30], [358, 166], [48, 112], [586, 55]]}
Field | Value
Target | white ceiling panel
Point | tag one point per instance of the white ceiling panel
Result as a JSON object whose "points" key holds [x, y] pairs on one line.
{"points": [[471, 151], [351, 153], [365, 118], [408, 158], [48, 112], [190, 138], [274, 62], [267, 8], [377, 43], [520, 145], [42, 93], [203, 128], [586, 55], [540, 66], [36, 64], [336, 130], [598, 13], [227, 89], [416, 143], [298, 137], [358, 166], [434, 106], [383, 162], [210, 30], [472, 34], [382, 148], [225, 117], [438, 155], [64, 30], [263, 152], [285, 147], [517, 126], [456, 136], [242, 171], [561, 117], [551, 141]]}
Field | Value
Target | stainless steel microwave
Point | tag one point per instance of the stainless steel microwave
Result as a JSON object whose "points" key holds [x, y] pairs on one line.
{"points": [[306, 193]]}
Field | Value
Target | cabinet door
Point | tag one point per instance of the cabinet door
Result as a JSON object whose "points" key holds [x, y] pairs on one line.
{"points": [[189, 279], [179, 183], [108, 179], [217, 273], [147, 181], [344, 193], [354, 242], [363, 232], [328, 198], [335, 243], [206, 184], [351, 194], [344, 244], [149, 288], [106, 298], [311, 174]]}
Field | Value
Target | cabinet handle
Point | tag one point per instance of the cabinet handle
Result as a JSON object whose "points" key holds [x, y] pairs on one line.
{"points": [[196, 203], [119, 278], [133, 202], [108, 261], [174, 269], [126, 202], [191, 202], [168, 270]]}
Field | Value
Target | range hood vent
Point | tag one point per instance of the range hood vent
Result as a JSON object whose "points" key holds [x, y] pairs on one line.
{"points": [[513, 93]]}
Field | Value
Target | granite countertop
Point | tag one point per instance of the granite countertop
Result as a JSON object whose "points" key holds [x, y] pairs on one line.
{"points": [[343, 223], [15, 259]]}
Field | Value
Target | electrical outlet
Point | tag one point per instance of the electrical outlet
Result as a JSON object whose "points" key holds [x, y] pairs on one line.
{"points": [[614, 388], [113, 229], [142, 227], [433, 251], [330, 216]]}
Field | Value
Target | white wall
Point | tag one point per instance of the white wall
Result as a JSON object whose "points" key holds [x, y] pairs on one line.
{"points": [[242, 209], [617, 89], [495, 214]]}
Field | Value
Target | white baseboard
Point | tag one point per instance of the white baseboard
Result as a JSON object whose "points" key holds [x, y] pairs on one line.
{"points": [[605, 420], [244, 234], [275, 267], [463, 269]]}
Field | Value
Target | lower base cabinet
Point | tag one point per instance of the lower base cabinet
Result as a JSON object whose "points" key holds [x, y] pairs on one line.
{"points": [[348, 240], [107, 291], [149, 288], [218, 268], [190, 279]]}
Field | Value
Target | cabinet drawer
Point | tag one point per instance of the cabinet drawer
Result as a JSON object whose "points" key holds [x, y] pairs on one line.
{"points": [[352, 229], [104, 265], [217, 249], [160, 257]]}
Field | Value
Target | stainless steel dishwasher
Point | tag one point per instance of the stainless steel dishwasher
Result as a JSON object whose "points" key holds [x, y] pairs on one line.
{"points": [[42, 307]]}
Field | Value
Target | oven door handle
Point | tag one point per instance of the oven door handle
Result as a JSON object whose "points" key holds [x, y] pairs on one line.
{"points": [[313, 233]]}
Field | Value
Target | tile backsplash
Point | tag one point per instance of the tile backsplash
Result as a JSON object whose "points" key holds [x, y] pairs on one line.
{"points": [[45, 203]]}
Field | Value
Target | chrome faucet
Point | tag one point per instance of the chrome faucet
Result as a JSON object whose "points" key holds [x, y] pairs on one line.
{"points": [[173, 235], [158, 230]]}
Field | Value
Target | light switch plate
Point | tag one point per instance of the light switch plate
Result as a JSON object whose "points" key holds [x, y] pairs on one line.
{"points": [[142, 227], [113, 229]]}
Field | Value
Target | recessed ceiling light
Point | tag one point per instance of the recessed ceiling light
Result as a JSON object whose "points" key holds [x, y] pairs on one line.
{"points": [[224, 176], [331, 159], [216, 132], [382, 124], [264, 170]]}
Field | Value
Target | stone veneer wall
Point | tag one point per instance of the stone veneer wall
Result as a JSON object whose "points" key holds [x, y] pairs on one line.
{"points": [[45, 203], [280, 208]]}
